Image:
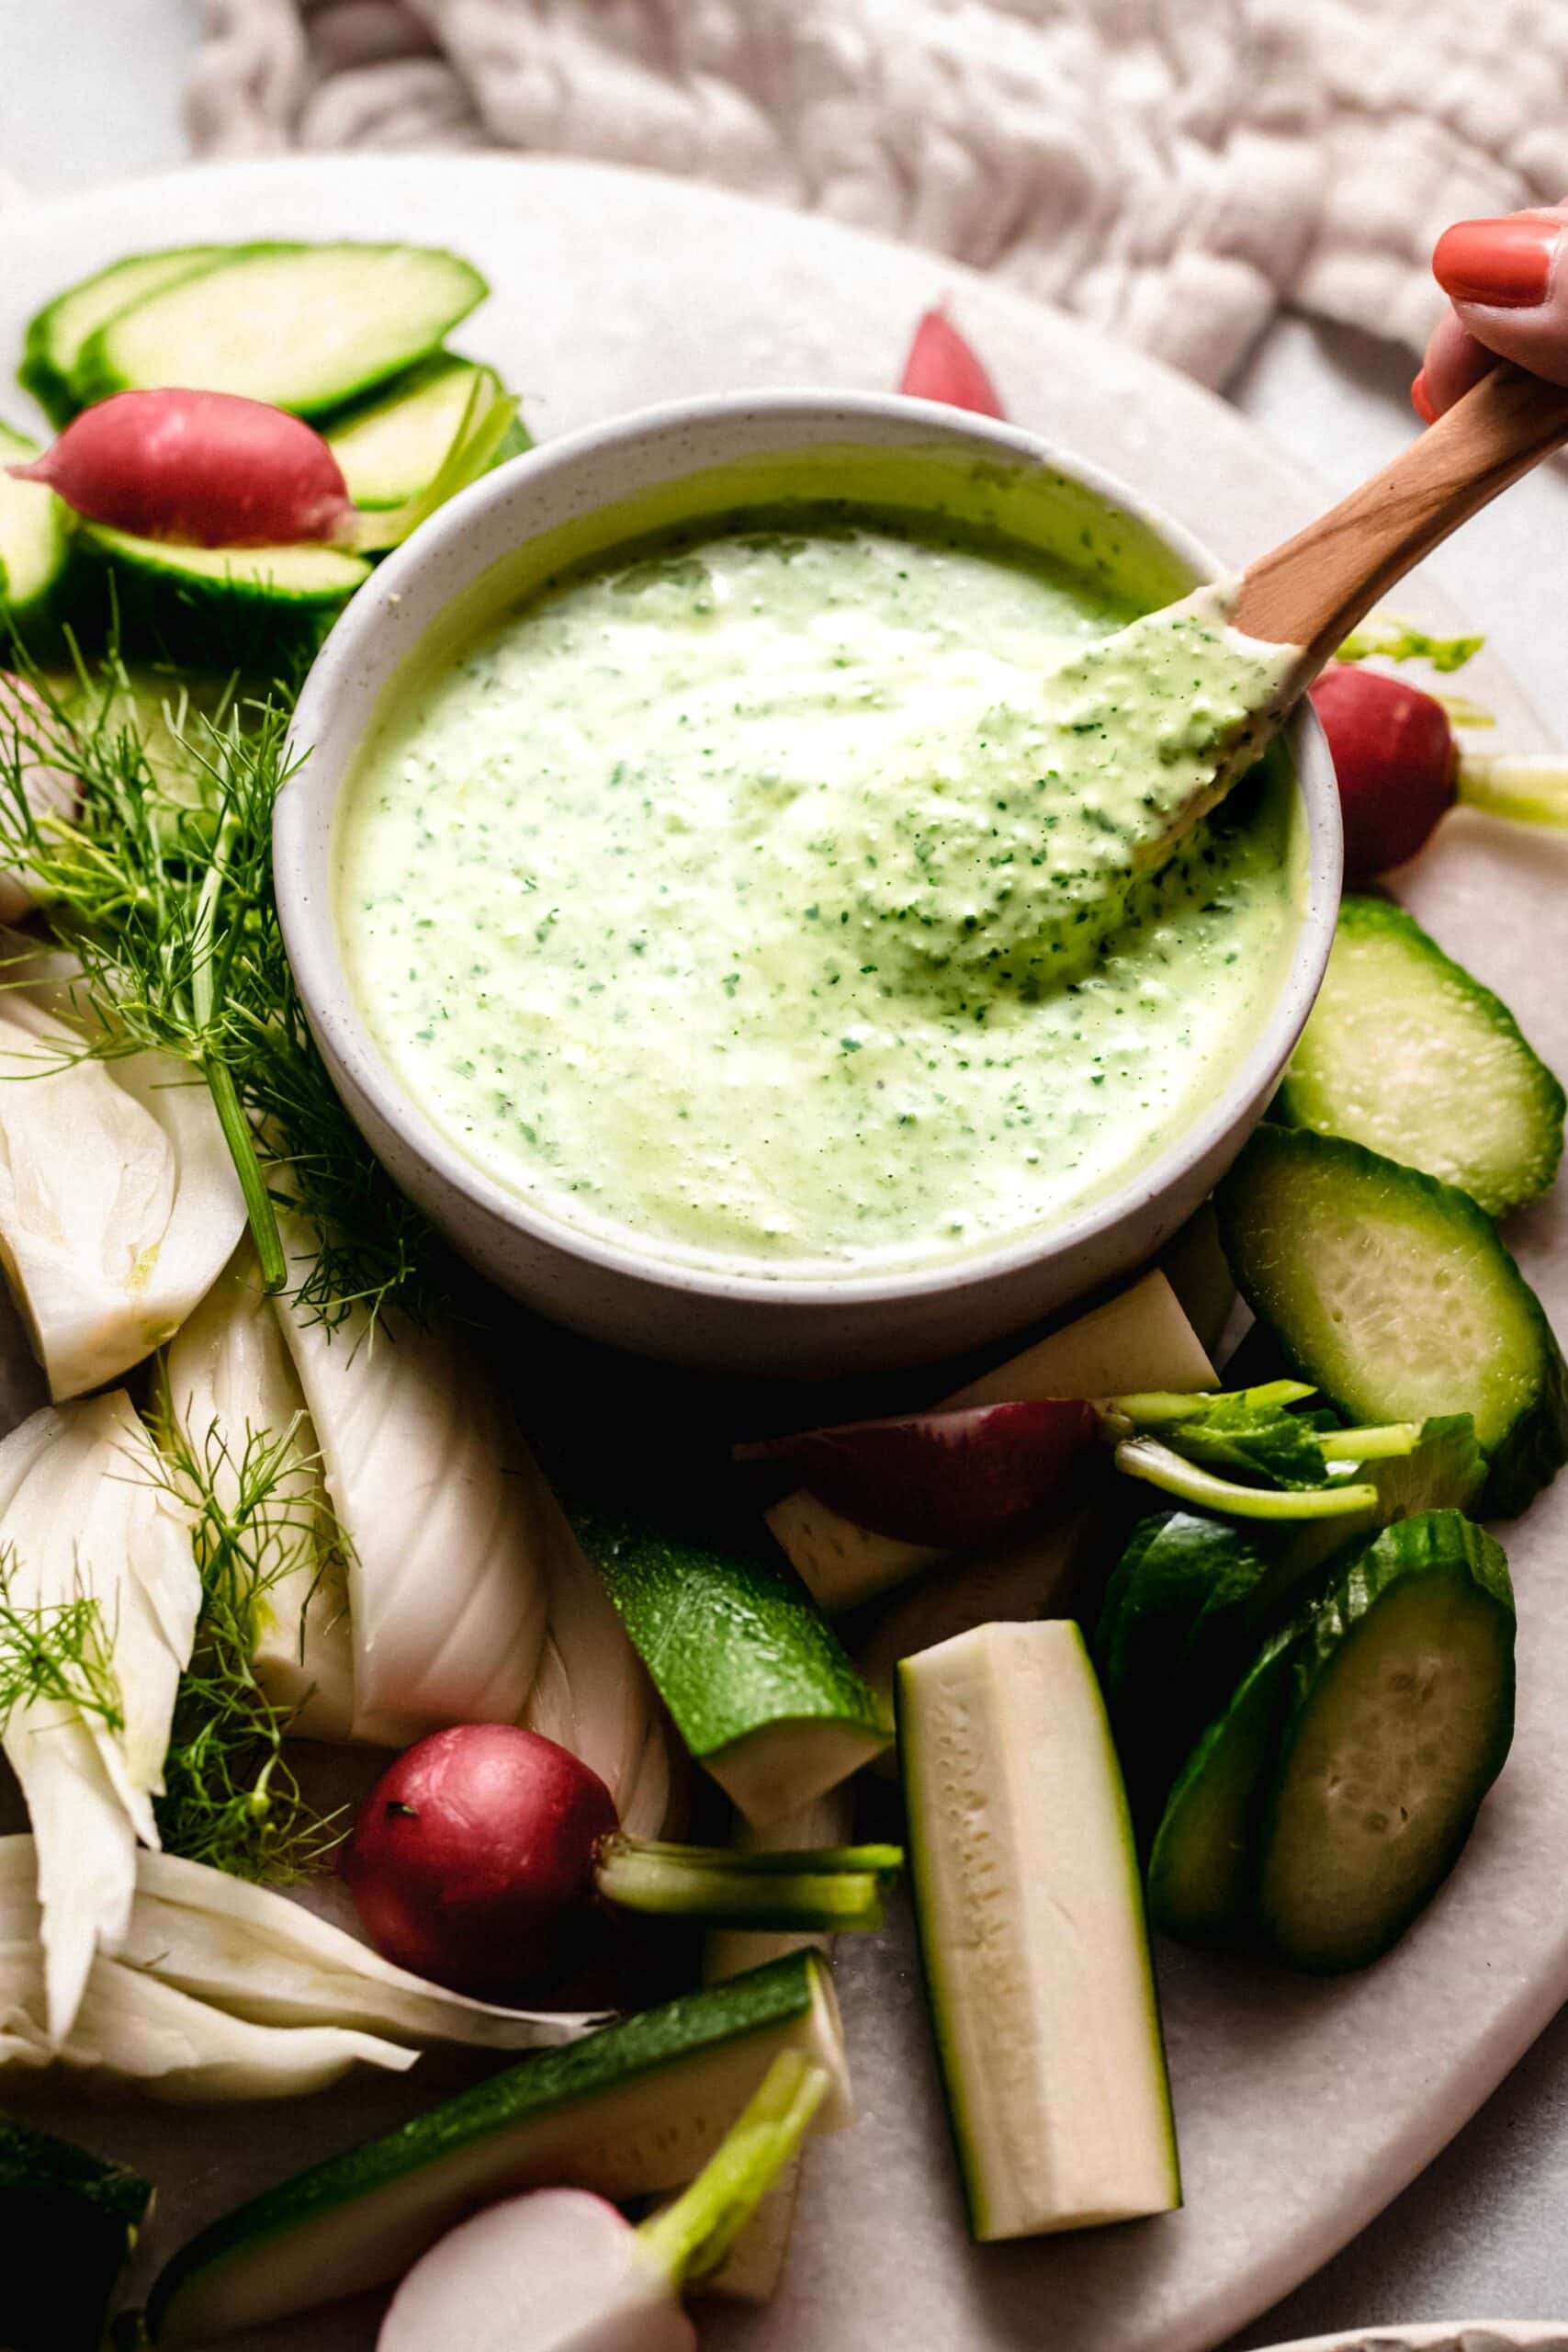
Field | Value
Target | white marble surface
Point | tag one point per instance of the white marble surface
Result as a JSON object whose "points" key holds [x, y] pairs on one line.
{"points": [[89, 93]]}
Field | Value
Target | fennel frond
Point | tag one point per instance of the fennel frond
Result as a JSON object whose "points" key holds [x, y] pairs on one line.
{"points": [[231, 1797], [160, 883], [56, 1654]]}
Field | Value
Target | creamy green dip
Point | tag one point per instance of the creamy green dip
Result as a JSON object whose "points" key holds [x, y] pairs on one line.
{"points": [[780, 894]]}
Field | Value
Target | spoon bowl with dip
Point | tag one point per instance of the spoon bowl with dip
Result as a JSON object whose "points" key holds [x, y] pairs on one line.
{"points": [[753, 895]]}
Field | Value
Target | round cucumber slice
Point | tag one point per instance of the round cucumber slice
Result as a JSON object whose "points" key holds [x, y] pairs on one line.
{"points": [[1407, 1053], [1393, 1293], [305, 328], [1401, 1720]]}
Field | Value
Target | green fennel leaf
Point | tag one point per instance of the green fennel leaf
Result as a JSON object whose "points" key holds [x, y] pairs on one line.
{"points": [[56, 1654], [160, 883], [231, 1796]]}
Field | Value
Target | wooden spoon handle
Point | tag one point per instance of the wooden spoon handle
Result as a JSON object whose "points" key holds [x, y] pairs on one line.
{"points": [[1313, 590]]}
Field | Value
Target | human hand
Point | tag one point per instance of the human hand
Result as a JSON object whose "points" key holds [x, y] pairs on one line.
{"points": [[1507, 283]]}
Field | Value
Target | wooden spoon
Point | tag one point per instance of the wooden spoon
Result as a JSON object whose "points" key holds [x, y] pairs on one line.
{"points": [[1312, 591], [1141, 732]]}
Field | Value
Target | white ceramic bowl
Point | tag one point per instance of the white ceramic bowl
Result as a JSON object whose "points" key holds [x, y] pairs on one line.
{"points": [[591, 489]]}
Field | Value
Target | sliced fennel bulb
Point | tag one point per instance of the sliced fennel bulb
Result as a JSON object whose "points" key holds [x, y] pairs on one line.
{"points": [[132, 2028], [118, 1201], [592, 1693], [232, 1384], [85, 1520], [230, 1945], [446, 1514]]}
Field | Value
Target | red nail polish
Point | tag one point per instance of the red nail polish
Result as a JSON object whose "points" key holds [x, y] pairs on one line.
{"points": [[1507, 264], [1421, 399]]}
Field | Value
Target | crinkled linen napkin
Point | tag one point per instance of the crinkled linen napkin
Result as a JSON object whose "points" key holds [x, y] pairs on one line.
{"points": [[1173, 170]]}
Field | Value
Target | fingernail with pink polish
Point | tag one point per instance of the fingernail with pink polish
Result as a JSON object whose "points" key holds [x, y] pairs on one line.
{"points": [[1421, 399], [1505, 263]]}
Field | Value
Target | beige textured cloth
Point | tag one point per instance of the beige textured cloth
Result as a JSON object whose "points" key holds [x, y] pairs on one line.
{"points": [[1170, 169]]}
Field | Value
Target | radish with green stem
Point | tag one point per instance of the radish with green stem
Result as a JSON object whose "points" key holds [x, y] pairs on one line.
{"points": [[480, 1860], [562, 2271]]}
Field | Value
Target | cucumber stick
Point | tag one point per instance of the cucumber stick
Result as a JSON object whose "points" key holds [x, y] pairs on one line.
{"points": [[35, 541], [1401, 1720], [757, 1683], [1138, 1340], [1392, 1292], [635, 2110], [305, 327], [1032, 1934], [1407, 1053], [53, 352], [68, 2225]]}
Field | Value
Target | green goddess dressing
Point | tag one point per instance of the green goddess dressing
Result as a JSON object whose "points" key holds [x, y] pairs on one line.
{"points": [[793, 897]]}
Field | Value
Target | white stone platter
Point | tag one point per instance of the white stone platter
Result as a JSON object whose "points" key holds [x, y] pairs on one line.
{"points": [[1303, 2108]]}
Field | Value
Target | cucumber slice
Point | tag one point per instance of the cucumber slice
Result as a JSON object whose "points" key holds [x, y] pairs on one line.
{"points": [[68, 2225], [305, 328], [390, 446], [627, 2112], [1138, 1340], [1199, 1880], [1191, 1596], [55, 337], [1178, 1572], [1407, 1053], [756, 1682], [1401, 1720], [1031, 1935], [35, 542], [244, 606], [1392, 1292]]}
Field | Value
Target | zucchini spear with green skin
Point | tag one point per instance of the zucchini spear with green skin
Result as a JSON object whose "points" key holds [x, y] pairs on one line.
{"points": [[1393, 1293], [562, 2271], [758, 1684], [1032, 1934], [635, 2110]]}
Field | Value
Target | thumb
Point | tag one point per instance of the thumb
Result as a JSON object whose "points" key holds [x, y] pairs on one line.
{"points": [[1507, 280]]}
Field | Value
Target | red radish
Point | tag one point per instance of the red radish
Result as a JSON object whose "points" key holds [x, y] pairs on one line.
{"points": [[942, 366], [952, 1478], [1397, 764], [25, 723], [561, 2272], [480, 1858], [210, 469]]}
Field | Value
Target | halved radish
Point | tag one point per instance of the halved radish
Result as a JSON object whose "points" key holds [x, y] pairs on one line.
{"points": [[1396, 760], [206, 469], [943, 365], [952, 1478]]}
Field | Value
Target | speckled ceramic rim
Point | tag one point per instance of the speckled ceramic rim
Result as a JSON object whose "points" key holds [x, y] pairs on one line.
{"points": [[572, 477]]}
